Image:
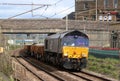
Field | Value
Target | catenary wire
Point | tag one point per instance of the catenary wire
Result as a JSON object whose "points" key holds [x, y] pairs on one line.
{"points": [[26, 4], [61, 11], [37, 8], [25, 12]]}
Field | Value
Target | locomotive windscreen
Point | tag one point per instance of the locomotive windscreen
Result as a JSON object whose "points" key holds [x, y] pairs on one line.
{"points": [[75, 41]]}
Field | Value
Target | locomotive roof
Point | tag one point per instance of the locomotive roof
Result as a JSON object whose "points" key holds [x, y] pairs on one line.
{"points": [[67, 33]]}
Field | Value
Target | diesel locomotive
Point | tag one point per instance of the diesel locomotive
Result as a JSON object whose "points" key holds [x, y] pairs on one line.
{"points": [[67, 49]]}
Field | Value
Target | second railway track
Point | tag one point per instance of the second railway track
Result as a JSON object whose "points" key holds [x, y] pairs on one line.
{"points": [[90, 77]]}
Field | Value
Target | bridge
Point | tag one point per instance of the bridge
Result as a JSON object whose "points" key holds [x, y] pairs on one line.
{"points": [[31, 26]]}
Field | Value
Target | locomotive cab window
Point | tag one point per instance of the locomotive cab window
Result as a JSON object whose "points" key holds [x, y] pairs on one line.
{"points": [[75, 41]]}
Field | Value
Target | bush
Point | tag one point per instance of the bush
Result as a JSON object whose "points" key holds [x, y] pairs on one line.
{"points": [[6, 65]]}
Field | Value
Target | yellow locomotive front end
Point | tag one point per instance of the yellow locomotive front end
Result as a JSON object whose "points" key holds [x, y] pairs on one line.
{"points": [[75, 57], [75, 51]]}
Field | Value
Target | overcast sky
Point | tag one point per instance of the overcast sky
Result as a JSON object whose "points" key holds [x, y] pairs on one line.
{"points": [[58, 8]]}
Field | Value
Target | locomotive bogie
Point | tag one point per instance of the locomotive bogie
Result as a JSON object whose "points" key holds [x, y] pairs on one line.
{"points": [[74, 63]]}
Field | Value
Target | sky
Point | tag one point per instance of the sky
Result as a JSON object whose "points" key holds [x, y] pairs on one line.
{"points": [[56, 9]]}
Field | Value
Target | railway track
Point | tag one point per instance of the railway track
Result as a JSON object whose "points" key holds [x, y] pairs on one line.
{"points": [[38, 75], [66, 75], [19, 61]]}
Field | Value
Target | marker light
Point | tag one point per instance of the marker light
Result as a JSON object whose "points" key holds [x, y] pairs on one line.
{"points": [[84, 55]]}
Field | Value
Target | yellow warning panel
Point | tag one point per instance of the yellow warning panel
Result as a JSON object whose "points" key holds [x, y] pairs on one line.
{"points": [[75, 52]]}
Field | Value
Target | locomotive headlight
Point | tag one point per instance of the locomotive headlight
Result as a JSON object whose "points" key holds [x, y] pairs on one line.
{"points": [[84, 55], [65, 54]]}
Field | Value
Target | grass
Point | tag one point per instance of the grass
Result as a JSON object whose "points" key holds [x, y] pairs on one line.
{"points": [[107, 66], [11, 78]]}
